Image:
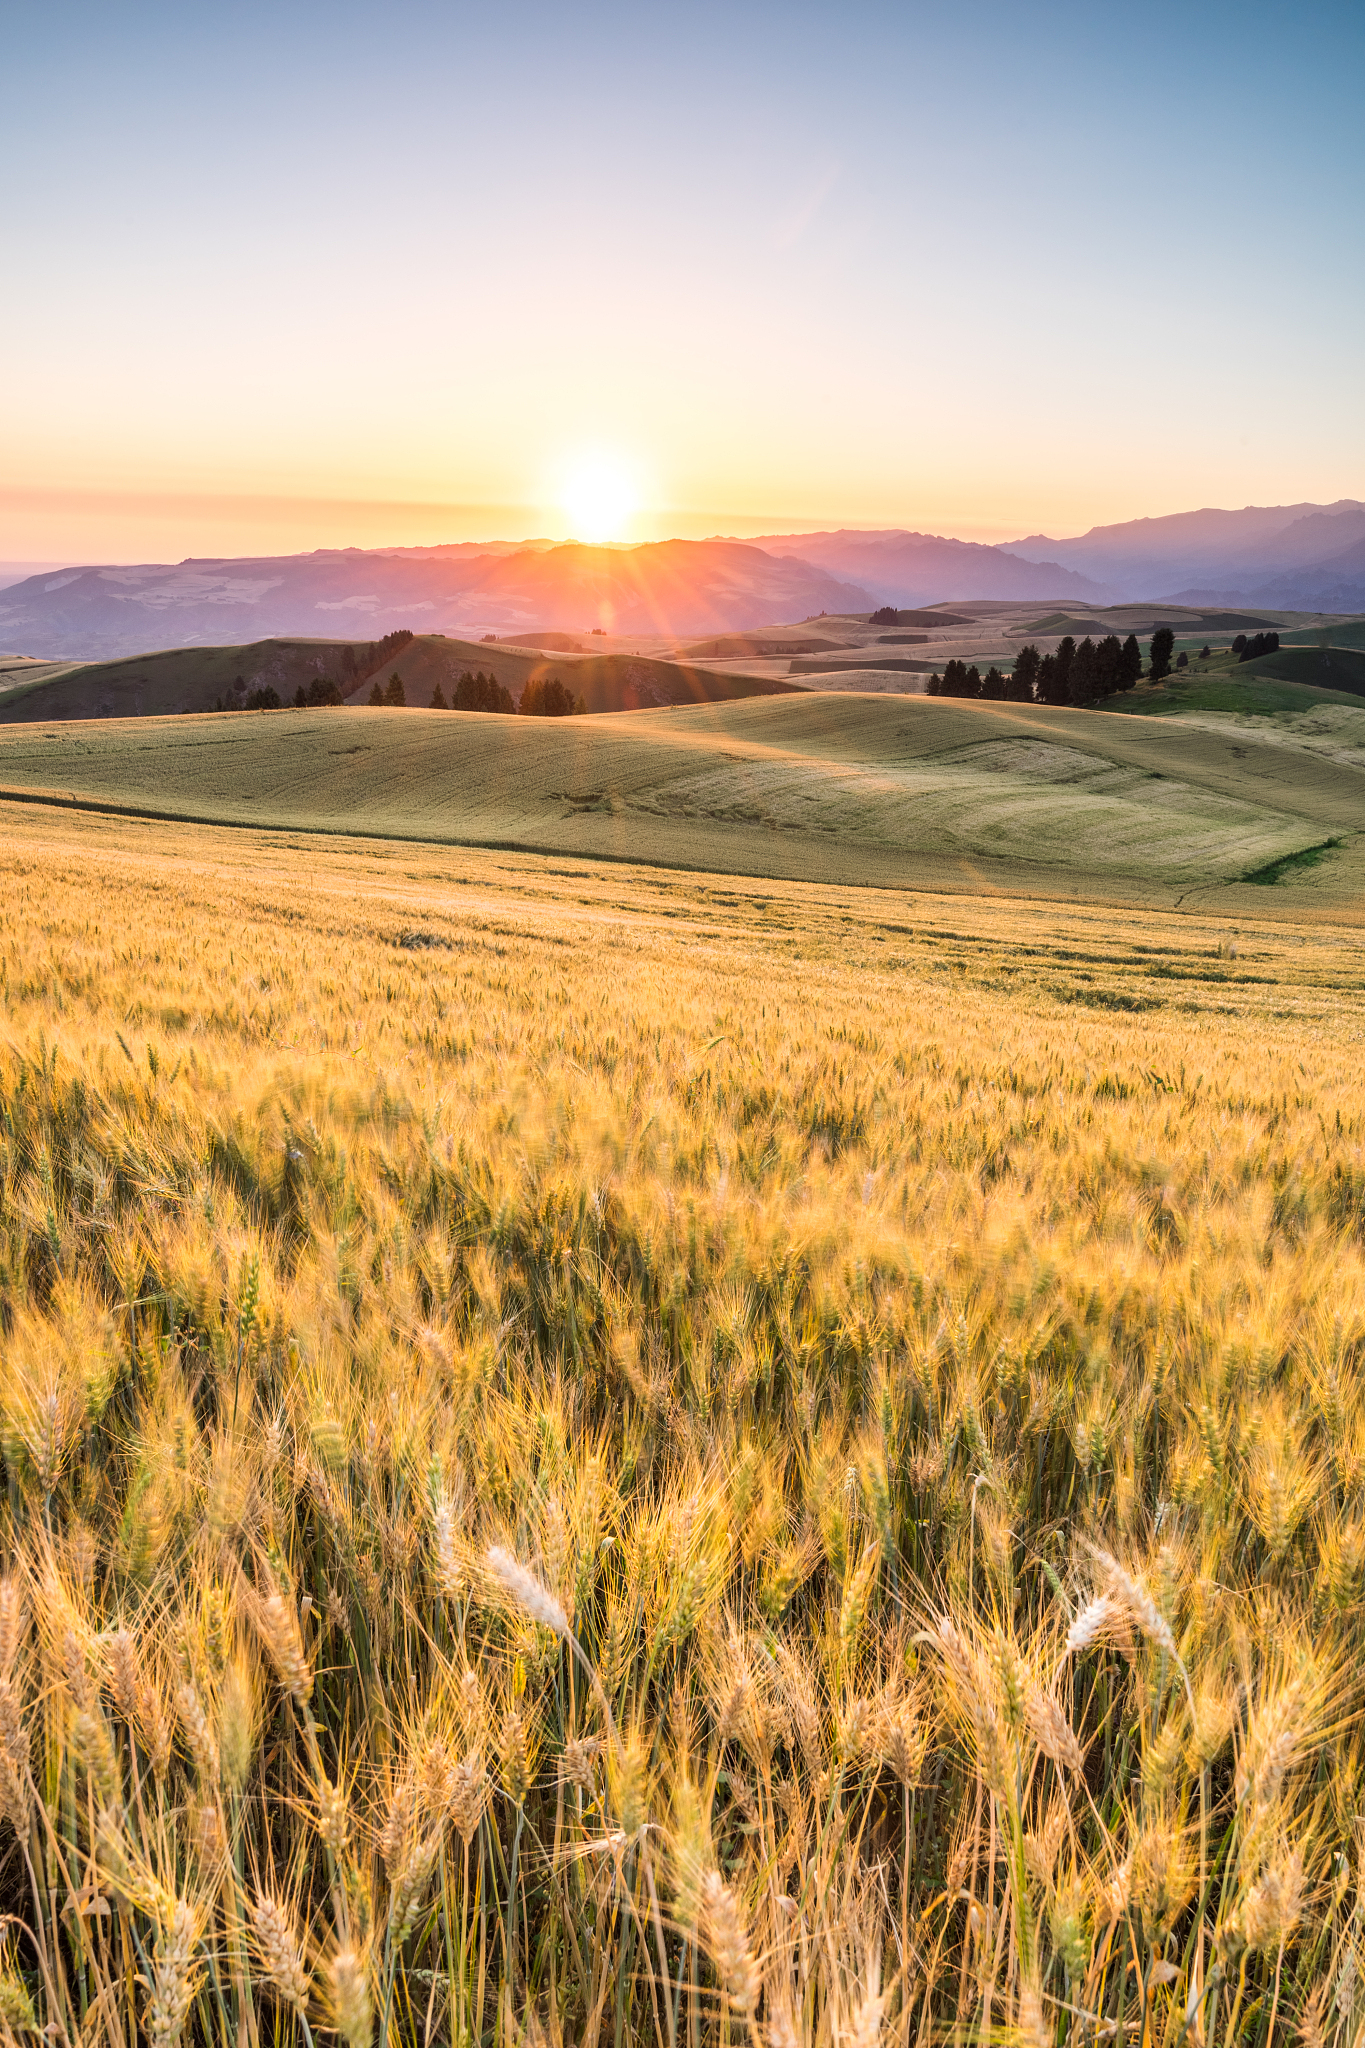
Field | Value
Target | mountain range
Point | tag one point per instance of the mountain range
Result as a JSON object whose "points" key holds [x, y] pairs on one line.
{"points": [[1292, 557], [926, 568], [1288, 557], [674, 588]]}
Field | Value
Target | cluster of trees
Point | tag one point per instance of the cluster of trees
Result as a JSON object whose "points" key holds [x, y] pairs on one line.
{"points": [[958, 680], [322, 690], [1259, 643], [352, 665], [543, 697], [358, 664], [1073, 675], [393, 694], [474, 693], [546, 697], [239, 698]]}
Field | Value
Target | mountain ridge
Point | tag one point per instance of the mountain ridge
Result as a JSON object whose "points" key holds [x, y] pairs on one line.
{"points": [[1289, 555], [674, 587], [1295, 557], [906, 568]]}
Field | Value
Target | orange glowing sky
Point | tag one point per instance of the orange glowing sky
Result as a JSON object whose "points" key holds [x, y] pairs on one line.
{"points": [[302, 277]]}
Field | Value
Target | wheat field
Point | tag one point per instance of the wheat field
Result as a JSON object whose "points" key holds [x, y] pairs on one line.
{"points": [[597, 1457]]}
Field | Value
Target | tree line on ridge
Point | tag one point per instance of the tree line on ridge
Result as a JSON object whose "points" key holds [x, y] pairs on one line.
{"points": [[1073, 675], [542, 697]]}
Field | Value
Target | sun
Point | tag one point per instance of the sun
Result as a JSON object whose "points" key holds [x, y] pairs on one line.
{"points": [[599, 500]]}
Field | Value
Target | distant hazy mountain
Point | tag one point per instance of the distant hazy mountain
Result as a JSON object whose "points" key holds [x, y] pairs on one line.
{"points": [[924, 568], [1294, 557], [1301, 557], [674, 587]]}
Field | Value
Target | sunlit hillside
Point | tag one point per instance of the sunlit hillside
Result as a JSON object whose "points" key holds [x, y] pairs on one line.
{"points": [[892, 791]]}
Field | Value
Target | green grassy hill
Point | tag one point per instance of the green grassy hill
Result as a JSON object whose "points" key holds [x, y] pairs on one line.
{"points": [[1320, 668], [1341, 633], [1291, 681], [928, 792], [1141, 618]]}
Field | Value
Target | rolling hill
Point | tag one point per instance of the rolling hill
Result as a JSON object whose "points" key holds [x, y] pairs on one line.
{"points": [[185, 679], [838, 789]]}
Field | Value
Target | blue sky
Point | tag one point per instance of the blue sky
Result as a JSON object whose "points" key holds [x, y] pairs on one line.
{"points": [[976, 268]]}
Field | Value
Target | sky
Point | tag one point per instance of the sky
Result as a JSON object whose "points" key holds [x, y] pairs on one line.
{"points": [[281, 276]]}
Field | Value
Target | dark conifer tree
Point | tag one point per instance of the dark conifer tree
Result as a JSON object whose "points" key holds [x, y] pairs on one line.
{"points": [[376, 694], [1163, 645], [1066, 654], [438, 699], [1050, 687], [395, 695], [1108, 665], [993, 685], [1083, 679], [1131, 668], [546, 697], [960, 681], [1021, 683]]}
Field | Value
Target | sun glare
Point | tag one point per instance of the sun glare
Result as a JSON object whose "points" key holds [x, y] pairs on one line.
{"points": [[599, 501]]}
